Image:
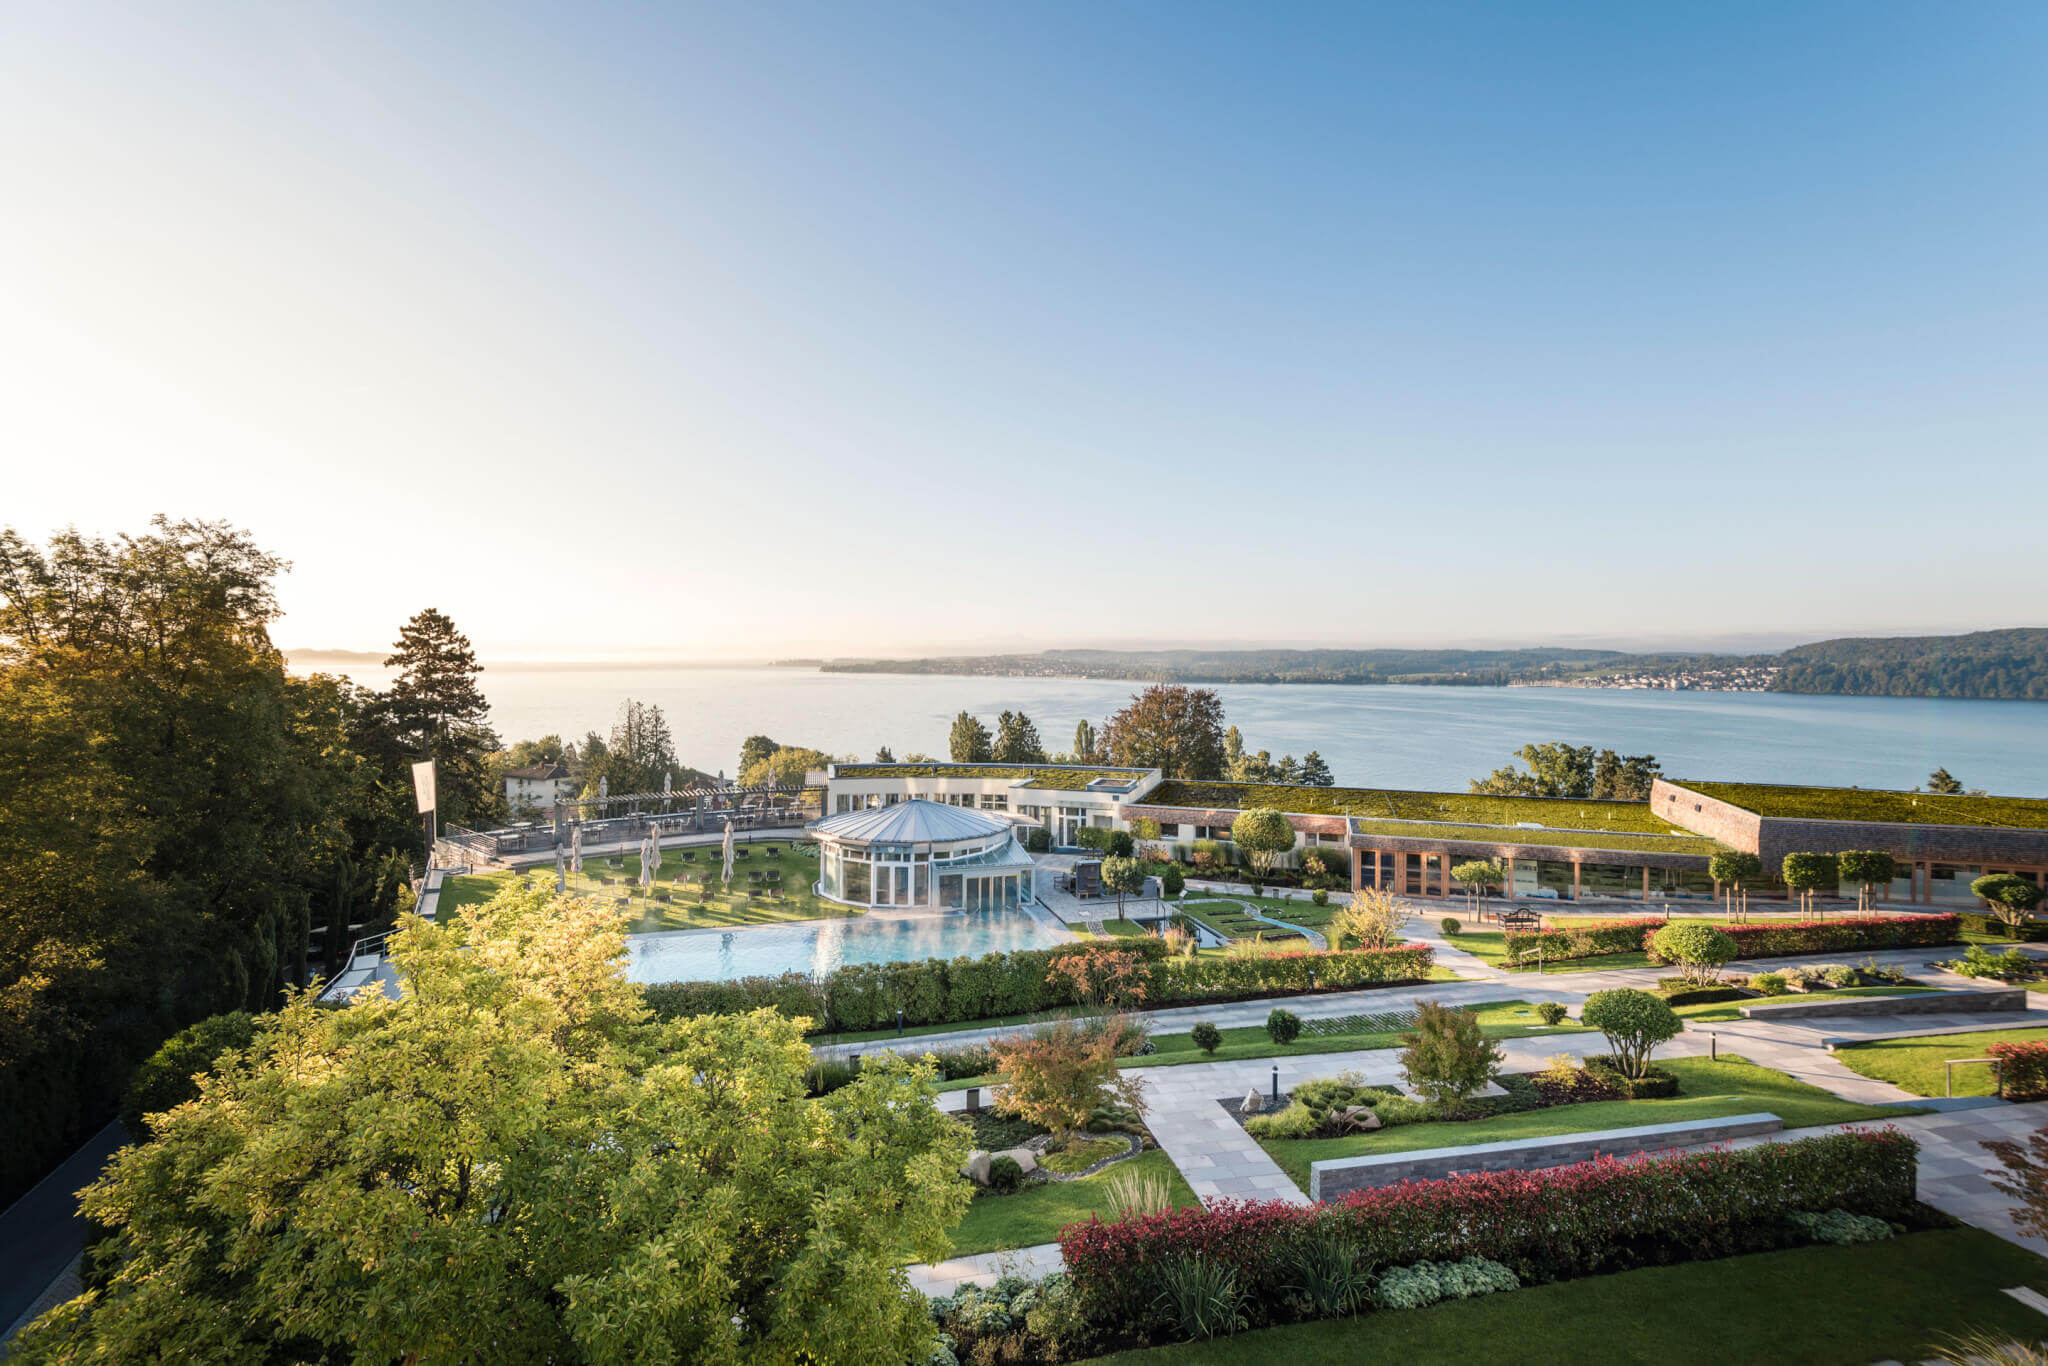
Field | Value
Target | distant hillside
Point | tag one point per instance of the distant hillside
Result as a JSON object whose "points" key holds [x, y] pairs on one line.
{"points": [[1258, 666], [2010, 664]]}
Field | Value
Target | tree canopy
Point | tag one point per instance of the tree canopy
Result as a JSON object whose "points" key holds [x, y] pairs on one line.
{"points": [[969, 741], [1561, 770], [1263, 834], [1179, 730], [639, 755], [516, 1160], [1017, 740], [436, 710]]}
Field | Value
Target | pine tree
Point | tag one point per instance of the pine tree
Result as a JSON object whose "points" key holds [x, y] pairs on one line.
{"points": [[1944, 782], [1017, 740], [1314, 772], [883, 756], [969, 741], [1084, 742], [437, 711]]}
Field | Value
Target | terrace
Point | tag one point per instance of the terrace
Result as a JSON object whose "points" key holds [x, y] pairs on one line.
{"points": [[1055, 777], [1449, 808]]}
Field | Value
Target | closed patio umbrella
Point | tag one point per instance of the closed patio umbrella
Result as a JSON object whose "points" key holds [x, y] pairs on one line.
{"points": [[650, 858], [576, 848], [561, 869], [727, 875]]}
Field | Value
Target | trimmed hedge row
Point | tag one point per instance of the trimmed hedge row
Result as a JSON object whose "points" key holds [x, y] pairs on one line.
{"points": [[2030, 930], [932, 991], [2022, 1069], [1584, 941], [1563, 1222], [1846, 935]]}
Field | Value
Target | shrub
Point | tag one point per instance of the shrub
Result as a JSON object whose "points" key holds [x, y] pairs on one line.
{"points": [[1206, 1037], [1058, 1074], [1652, 1083], [1447, 1058], [1839, 1226], [1416, 1287], [1118, 844], [1679, 993], [1319, 897], [1698, 947], [1197, 1297], [1171, 881], [1326, 1274], [1283, 1026], [1564, 1082], [1769, 983], [165, 1079], [1635, 1022], [1296, 1121], [1773, 939], [1551, 1012], [1004, 1175], [1582, 941], [2022, 1069], [1587, 1219], [1038, 840], [1449, 925]]}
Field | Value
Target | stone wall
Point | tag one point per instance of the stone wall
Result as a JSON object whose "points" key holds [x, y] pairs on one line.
{"points": [[1918, 1003], [1327, 1180]]}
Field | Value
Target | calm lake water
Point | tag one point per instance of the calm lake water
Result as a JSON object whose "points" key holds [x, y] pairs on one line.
{"points": [[1429, 738]]}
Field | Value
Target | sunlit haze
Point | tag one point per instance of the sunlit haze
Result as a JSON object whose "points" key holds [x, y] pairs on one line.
{"points": [[763, 330]]}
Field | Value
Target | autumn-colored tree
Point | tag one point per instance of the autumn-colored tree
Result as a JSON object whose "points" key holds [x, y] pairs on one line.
{"points": [[2025, 1179], [1058, 1075], [1176, 729], [1116, 978], [515, 1161], [1373, 920]]}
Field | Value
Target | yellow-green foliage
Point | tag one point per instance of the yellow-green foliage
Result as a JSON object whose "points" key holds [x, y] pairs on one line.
{"points": [[1862, 804]]}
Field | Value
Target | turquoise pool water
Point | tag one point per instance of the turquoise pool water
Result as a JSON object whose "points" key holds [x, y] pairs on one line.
{"points": [[877, 937]]}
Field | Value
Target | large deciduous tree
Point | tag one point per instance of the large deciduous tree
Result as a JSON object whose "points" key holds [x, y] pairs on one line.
{"points": [[172, 802], [1561, 770], [784, 767], [639, 754], [516, 1162], [1179, 730]]}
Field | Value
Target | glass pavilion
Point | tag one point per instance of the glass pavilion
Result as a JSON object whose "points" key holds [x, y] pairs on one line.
{"points": [[920, 853]]}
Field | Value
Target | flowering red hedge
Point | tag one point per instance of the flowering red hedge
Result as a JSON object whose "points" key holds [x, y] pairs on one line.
{"points": [[1846, 935], [1609, 1214], [2022, 1069]]}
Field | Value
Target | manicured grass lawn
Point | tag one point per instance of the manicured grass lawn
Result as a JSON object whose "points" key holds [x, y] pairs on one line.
{"points": [[1732, 1010], [1037, 1213], [1916, 1064], [1490, 946], [685, 912], [1896, 1300], [1497, 1020], [1707, 1090]]}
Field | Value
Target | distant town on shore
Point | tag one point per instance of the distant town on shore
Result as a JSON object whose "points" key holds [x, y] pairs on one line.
{"points": [[2005, 664]]}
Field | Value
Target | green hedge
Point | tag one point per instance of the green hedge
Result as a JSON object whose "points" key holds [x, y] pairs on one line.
{"points": [[1585, 941], [2032, 931], [1847, 934], [932, 991]]}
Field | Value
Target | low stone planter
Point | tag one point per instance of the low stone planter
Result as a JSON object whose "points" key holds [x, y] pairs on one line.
{"points": [[1916, 1003], [1133, 1146]]}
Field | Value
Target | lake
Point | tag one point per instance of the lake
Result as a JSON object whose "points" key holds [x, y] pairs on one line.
{"points": [[1412, 737]]}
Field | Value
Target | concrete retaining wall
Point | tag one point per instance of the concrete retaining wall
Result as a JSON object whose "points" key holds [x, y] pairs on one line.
{"points": [[1919, 1003], [1327, 1180]]}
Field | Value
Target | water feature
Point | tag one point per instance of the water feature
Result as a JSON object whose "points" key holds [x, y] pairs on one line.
{"points": [[818, 947]]}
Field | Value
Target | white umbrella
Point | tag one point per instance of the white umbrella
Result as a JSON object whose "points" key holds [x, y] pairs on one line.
{"points": [[576, 848], [728, 851], [561, 870], [650, 858]]}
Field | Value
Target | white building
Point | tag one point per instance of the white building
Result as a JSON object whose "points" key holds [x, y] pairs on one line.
{"points": [[1058, 797], [533, 789]]}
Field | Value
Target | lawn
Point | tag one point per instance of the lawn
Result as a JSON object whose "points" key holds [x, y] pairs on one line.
{"points": [[726, 907], [1896, 1300], [1497, 1020], [1490, 947], [1916, 1064], [1707, 1090], [1037, 1213]]}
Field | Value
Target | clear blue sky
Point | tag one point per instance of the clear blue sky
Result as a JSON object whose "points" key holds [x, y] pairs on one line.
{"points": [[981, 325]]}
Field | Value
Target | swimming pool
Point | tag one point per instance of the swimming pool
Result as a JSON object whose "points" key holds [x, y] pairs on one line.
{"points": [[820, 946]]}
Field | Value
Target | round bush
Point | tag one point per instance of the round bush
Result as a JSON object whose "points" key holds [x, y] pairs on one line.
{"points": [[1769, 983], [1635, 1022], [1119, 844], [1172, 881], [1320, 897], [1206, 1036], [1283, 1026], [1004, 1175], [1550, 1012], [165, 1079], [1699, 947], [1449, 924]]}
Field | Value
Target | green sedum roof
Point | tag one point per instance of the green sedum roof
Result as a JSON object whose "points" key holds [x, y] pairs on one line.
{"points": [[1773, 801], [1554, 814], [1054, 776]]}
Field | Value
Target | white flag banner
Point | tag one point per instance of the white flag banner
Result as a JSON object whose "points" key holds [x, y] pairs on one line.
{"points": [[423, 785]]}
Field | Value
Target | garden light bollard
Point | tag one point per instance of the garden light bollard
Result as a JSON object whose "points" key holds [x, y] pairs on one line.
{"points": [[899, 1022], [973, 1098], [1276, 1083]]}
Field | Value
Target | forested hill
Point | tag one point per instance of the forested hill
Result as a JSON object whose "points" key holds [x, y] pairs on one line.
{"points": [[1998, 664], [1259, 666]]}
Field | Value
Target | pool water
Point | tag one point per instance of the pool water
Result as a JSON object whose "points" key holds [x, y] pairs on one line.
{"points": [[820, 946]]}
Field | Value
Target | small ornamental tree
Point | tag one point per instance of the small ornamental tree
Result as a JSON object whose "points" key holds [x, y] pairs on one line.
{"points": [[1697, 947], [1123, 875], [1448, 1057], [1808, 873], [1264, 835], [1635, 1022], [2010, 897], [1118, 843], [1111, 977], [1373, 920], [1058, 1075], [1172, 881], [1730, 868], [1206, 1037], [1866, 868], [1476, 878], [2025, 1180]]}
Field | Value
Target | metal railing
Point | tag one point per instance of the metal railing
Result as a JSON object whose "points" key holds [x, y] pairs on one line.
{"points": [[1948, 1075]]}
